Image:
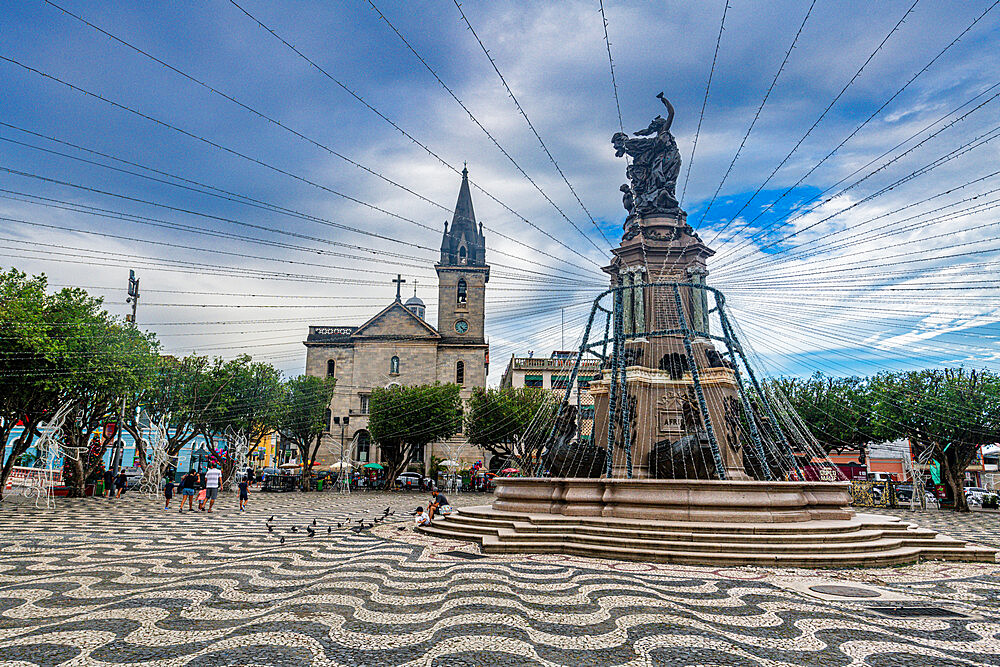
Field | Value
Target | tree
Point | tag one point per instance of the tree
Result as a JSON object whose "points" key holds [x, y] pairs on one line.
{"points": [[952, 411], [101, 361], [404, 419], [28, 385], [510, 423], [302, 417], [247, 398], [838, 411], [178, 394]]}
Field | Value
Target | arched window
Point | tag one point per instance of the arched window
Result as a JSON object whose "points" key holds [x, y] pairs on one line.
{"points": [[460, 373], [331, 366], [394, 366], [462, 259], [463, 291]]}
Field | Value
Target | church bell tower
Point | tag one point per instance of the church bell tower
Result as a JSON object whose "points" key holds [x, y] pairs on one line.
{"points": [[462, 274]]}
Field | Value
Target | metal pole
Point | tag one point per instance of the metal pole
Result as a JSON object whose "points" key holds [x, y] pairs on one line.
{"points": [[133, 298], [696, 379]]}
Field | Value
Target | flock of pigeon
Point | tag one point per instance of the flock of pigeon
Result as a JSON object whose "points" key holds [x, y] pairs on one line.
{"points": [[358, 529]]}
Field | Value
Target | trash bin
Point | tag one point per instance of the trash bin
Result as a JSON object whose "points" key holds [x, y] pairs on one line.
{"points": [[99, 488], [319, 485]]}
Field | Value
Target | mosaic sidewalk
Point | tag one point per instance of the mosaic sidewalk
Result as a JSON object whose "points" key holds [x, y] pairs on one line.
{"points": [[124, 582]]}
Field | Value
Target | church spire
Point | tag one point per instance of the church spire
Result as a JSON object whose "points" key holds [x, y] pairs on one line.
{"points": [[465, 215], [463, 242]]}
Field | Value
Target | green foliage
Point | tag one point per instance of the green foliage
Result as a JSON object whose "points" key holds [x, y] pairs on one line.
{"points": [[500, 419], [953, 412], [302, 416], [838, 411], [59, 349], [403, 419]]}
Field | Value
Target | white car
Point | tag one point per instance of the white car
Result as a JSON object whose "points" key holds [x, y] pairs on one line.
{"points": [[974, 494]]}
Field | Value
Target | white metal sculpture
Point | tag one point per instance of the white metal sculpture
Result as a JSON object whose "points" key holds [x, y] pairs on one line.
{"points": [[152, 478], [49, 447]]}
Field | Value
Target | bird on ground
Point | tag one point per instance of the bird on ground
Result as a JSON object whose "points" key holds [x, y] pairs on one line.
{"points": [[295, 529], [282, 539], [329, 530], [338, 525], [312, 533], [270, 529], [401, 528], [271, 519], [314, 523], [386, 510]]}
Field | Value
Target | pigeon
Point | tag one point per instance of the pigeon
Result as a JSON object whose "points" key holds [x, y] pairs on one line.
{"points": [[314, 523], [329, 530], [312, 533], [270, 529], [295, 529], [338, 525], [282, 539], [401, 528], [271, 519], [386, 510]]}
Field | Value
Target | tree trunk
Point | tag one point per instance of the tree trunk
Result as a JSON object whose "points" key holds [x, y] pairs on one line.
{"points": [[953, 476], [76, 478]]}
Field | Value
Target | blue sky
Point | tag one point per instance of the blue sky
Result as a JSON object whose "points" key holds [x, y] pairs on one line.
{"points": [[849, 304]]}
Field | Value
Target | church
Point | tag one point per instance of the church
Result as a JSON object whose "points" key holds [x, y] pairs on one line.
{"points": [[398, 346]]}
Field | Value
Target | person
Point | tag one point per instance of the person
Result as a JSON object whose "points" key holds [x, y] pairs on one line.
{"points": [[109, 481], [420, 517], [189, 486], [213, 480], [439, 505], [244, 487], [201, 491], [120, 483], [250, 477], [168, 492]]}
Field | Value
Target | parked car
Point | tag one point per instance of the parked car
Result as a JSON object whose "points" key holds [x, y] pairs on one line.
{"points": [[904, 492], [409, 480], [974, 494]]}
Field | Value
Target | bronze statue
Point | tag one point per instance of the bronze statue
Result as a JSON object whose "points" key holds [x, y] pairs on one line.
{"points": [[656, 163]]}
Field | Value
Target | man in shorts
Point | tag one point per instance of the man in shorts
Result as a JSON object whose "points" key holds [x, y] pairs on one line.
{"points": [[189, 487], [439, 505], [213, 480]]}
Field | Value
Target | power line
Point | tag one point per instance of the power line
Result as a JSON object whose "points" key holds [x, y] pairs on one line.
{"points": [[823, 114], [248, 157], [756, 115], [704, 102], [874, 114], [535, 132], [409, 136]]}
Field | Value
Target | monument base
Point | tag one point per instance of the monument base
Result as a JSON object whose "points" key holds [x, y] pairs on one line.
{"points": [[696, 522]]}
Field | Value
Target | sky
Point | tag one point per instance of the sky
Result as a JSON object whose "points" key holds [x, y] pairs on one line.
{"points": [[264, 166]]}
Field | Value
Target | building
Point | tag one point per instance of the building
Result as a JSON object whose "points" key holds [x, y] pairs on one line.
{"points": [[553, 373], [398, 346]]}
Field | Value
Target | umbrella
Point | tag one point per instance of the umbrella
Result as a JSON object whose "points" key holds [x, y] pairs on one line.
{"points": [[507, 471], [290, 465], [338, 465], [373, 466], [448, 464]]}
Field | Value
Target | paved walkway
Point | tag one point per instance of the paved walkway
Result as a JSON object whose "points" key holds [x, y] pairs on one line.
{"points": [[114, 582]]}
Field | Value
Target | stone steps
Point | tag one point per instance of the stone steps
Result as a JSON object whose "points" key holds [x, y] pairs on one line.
{"points": [[864, 541]]}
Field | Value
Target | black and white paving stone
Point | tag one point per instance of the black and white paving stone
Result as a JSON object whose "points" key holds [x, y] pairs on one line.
{"points": [[124, 582]]}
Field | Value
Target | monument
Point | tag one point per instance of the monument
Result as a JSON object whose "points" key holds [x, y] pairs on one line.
{"points": [[693, 459]]}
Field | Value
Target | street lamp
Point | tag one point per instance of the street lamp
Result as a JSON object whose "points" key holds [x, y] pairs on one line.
{"points": [[343, 422]]}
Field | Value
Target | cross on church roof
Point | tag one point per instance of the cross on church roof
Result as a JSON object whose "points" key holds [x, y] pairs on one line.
{"points": [[399, 283]]}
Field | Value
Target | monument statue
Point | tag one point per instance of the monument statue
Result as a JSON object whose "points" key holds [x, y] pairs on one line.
{"points": [[656, 163]]}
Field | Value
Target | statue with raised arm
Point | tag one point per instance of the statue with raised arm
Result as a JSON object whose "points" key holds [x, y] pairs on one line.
{"points": [[656, 163]]}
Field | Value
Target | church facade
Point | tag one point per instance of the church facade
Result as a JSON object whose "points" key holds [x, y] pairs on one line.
{"points": [[399, 346]]}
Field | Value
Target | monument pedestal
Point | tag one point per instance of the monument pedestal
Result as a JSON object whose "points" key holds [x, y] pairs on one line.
{"points": [[660, 403]]}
